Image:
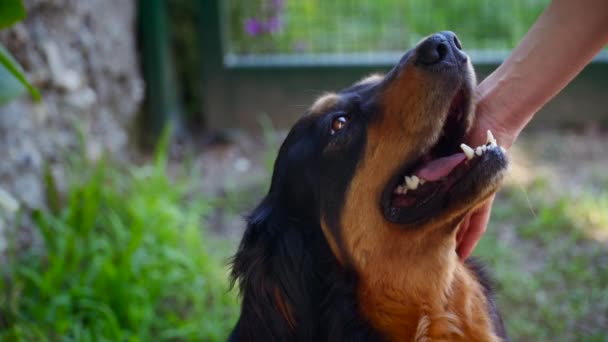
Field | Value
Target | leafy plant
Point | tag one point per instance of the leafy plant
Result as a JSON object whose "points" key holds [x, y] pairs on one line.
{"points": [[12, 79], [125, 258], [11, 11]]}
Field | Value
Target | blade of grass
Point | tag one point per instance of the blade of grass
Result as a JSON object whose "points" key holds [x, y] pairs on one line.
{"points": [[9, 67]]}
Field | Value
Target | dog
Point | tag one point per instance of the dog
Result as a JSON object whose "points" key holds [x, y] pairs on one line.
{"points": [[356, 237]]}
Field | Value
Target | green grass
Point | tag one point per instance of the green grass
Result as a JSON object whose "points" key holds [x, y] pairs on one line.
{"points": [[379, 25], [124, 257], [551, 273]]}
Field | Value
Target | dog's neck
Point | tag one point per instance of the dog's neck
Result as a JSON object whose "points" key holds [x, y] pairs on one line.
{"points": [[434, 297]]}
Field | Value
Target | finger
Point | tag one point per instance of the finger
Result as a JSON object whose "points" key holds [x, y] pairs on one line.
{"points": [[463, 228], [477, 226]]}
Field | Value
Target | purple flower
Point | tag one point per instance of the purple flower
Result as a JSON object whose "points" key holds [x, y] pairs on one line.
{"points": [[253, 27], [274, 24]]}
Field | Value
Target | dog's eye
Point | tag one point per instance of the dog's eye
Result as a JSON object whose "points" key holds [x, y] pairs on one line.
{"points": [[338, 123]]}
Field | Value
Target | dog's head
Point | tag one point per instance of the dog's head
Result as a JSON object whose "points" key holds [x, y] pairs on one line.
{"points": [[378, 169], [380, 164]]}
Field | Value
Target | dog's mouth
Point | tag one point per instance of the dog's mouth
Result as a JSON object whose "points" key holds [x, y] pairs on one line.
{"points": [[449, 171]]}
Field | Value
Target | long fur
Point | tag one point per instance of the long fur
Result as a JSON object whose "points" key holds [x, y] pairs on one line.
{"points": [[284, 254]]}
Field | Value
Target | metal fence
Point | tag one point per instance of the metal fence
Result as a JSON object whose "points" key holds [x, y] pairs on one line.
{"points": [[366, 32], [273, 57]]}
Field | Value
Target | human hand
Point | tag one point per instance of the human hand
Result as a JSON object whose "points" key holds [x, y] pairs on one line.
{"points": [[538, 68], [475, 223]]}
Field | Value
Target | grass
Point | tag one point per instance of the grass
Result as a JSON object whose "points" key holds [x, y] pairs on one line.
{"points": [[551, 271], [124, 257]]}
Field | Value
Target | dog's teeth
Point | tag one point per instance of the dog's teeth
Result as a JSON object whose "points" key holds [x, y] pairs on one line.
{"points": [[416, 181], [468, 151], [502, 149], [479, 151], [422, 181], [491, 138], [412, 182], [399, 190], [484, 147]]}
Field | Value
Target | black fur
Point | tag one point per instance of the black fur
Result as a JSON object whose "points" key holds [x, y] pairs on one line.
{"points": [[294, 258], [486, 281], [284, 248]]}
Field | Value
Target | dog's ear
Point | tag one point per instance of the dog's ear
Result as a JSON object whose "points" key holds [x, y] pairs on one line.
{"points": [[274, 270]]}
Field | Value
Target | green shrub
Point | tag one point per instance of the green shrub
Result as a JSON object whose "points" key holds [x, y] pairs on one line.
{"points": [[124, 259]]}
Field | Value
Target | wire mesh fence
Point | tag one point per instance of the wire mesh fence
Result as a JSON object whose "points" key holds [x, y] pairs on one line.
{"points": [[278, 32]]}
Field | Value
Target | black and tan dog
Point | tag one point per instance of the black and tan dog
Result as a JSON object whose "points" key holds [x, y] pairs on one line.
{"points": [[356, 238]]}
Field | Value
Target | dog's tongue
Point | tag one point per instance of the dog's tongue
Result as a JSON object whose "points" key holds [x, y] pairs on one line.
{"points": [[439, 168]]}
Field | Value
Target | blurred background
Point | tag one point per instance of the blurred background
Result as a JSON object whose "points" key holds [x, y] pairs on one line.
{"points": [[135, 135]]}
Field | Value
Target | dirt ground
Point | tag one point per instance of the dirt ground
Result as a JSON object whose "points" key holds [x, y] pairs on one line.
{"points": [[237, 172]]}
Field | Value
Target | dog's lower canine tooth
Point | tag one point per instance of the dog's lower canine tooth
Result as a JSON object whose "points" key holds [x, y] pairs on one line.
{"points": [[470, 153], [490, 137]]}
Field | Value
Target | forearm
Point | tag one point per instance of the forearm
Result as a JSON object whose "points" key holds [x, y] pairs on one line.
{"points": [[557, 47]]}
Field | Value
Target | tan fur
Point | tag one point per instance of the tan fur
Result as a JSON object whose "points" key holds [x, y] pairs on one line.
{"points": [[332, 242], [413, 287], [324, 103], [373, 78], [284, 308]]}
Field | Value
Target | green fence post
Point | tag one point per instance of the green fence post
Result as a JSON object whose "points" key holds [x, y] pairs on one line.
{"points": [[212, 67], [161, 106]]}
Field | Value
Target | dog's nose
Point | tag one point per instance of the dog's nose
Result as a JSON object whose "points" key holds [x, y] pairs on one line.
{"points": [[442, 47]]}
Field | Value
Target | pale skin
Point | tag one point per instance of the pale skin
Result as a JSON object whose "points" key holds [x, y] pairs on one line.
{"points": [[563, 40]]}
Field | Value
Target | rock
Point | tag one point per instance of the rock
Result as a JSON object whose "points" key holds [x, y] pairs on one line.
{"points": [[82, 56], [8, 204]]}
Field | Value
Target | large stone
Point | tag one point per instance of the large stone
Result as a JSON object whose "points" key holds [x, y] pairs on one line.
{"points": [[82, 56]]}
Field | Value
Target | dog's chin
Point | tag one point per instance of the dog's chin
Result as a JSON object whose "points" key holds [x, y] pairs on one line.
{"points": [[448, 179]]}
